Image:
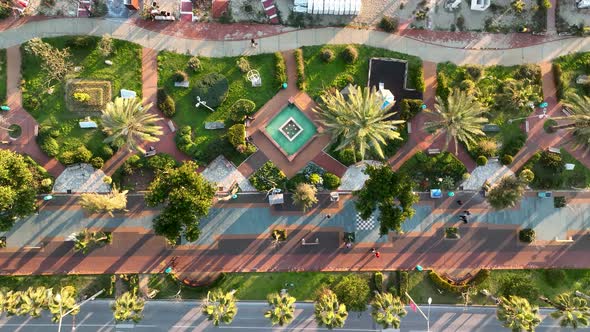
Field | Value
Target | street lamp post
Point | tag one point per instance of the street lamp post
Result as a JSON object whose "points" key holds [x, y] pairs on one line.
{"points": [[428, 318], [204, 103], [58, 298]]}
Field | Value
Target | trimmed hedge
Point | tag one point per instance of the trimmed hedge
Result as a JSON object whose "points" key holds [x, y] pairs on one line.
{"points": [[507, 159], [212, 88], [481, 276], [444, 284], [300, 70], [350, 54], [240, 109], [389, 24], [166, 104], [331, 181], [280, 68], [378, 279], [236, 135], [526, 235], [410, 108], [327, 55], [418, 75], [481, 161], [557, 75], [404, 283]]}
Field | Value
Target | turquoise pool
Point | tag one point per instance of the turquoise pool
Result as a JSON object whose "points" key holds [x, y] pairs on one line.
{"points": [[291, 129]]}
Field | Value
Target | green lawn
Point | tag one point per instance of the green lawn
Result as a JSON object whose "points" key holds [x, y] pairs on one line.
{"points": [[571, 66], [320, 75], [3, 75], [85, 284], [547, 178], [49, 109], [239, 88], [424, 169]]}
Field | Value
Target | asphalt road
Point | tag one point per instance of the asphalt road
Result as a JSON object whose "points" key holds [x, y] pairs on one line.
{"points": [[185, 316]]}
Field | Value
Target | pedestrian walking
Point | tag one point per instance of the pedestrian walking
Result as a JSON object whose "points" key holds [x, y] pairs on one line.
{"points": [[373, 250], [377, 254], [460, 202], [464, 218], [253, 42], [348, 245], [328, 216], [467, 213]]}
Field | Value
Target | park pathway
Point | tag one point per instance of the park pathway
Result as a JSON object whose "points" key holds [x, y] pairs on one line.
{"points": [[551, 12], [26, 143]]}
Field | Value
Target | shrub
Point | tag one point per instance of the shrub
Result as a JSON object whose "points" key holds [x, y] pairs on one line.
{"points": [[518, 5], [552, 161], [268, 177], [347, 156], [559, 202], [49, 146], [315, 179], [81, 97], [389, 24], [526, 175], [404, 283], [180, 76], [481, 276], [416, 73], [442, 87], [300, 69], [507, 159], [460, 23], [243, 64], [526, 235], [161, 162], [474, 71], [378, 279], [46, 183], [105, 45], [518, 285], [353, 291], [83, 155], [240, 109], [236, 135], [443, 283], [465, 176], [107, 179], [554, 277], [296, 180], [529, 72], [410, 108], [212, 88], [280, 68], [467, 86], [327, 55], [97, 162], [545, 4], [81, 42], [487, 148], [106, 152], [166, 104], [68, 157], [194, 63], [331, 181], [481, 160], [514, 144], [350, 54], [557, 74], [452, 233]]}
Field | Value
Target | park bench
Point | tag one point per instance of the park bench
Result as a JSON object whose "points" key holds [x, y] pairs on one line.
{"points": [[409, 128], [490, 128], [183, 84], [171, 126], [526, 126], [164, 18], [433, 151], [554, 150], [36, 131]]}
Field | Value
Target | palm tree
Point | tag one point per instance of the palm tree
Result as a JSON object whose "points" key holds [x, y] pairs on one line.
{"points": [[579, 121], [128, 123], [572, 311], [282, 308], [517, 314], [128, 307], [358, 121], [115, 200], [305, 195], [35, 300], [62, 302], [85, 240], [13, 304], [387, 310], [328, 311], [460, 118], [220, 307], [507, 193]]}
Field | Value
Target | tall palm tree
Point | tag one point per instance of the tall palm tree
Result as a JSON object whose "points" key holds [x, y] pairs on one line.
{"points": [[328, 311], [128, 123], [517, 314], [282, 308], [220, 307], [461, 118], [62, 302], [387, 310], [85, 240], [579, 121], [14, 301], [35, 300], [572, 311], [127, 307], [358, 121]]}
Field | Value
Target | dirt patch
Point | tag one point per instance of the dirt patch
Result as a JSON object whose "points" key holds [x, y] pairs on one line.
{"points": [[568, 14], [139, 180], [247, 11], [98, 94]]}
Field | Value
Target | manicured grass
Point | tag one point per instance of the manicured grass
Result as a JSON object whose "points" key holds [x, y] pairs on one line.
{"points": [[320, 75], [547, 178], [239, 88], [85, 284], [572, 66], [49, 109], [425, 170], [3, 77]]}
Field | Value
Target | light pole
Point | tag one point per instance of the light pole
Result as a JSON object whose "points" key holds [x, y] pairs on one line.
{"points": [[202, 102], [76, 306], [428, 318], [540, 116]]}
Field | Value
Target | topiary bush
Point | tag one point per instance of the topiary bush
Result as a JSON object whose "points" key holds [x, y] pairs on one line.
{"points": [[243, 65], [83, 155], [106, 152], [526, 235], [410, 108], [331, 181], [487, 148], [526, 175], [327, 55], [166, 104], [194, 63], [507, 159], [378, 279], [212, 88], [97, 162], [268, 177], [236, 135], [180, 76], [350, 54], [389, 24], [49, 145], [301, 84], [280, 68], [240, 109], [481, 161]]}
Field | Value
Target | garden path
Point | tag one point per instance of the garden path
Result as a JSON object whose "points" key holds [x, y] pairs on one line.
{"points": [[551, 12], [419, 139], [26, 143]]}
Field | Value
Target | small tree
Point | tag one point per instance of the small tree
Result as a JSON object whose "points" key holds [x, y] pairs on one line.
{"points": [[328, 311], [282, 308], [128, 307], [105, 46], [55, 62], [34, 301], [86, 240], [387, 310], [571, 311], [353, 290], [305, 195], [115, 200], [62, 302], [220, 307], [506, 193], [518, 314]]}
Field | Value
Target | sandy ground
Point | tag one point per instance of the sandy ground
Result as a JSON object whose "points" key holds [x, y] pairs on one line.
{"points": [[247, 11], [567, 11]]}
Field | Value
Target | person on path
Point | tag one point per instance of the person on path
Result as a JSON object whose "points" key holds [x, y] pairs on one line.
{"points": [[373, 250], [377, 254], [253, 42], [348, 245], [460, 202], [464, 218], [467, 213]]}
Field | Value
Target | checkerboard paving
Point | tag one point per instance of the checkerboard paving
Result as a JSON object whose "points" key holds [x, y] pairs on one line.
{"points": [[365, 224]]}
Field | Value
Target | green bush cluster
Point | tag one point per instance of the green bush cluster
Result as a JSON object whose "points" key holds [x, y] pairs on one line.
{"points": [[347, 156], [161, 162], [444, 284], [240, 109], [526, 235], [552, 161], [180, 76], [327, 55], [301, 84], [389, 24], [423, 169], [416, 74], [79, 155], [404, 283], [410, 108], [280, 68], [243, 65], [48, 145], [166, 104], [475, 72], [97, 162], [518, 285], [554, 277], [206, 154], [481, 161], [378, 279], [268, 177], [331, 181], [212, 88], [350, 54], [194, 63], [479, 278], [558, 77], [442, 86], [507, 159], [236, 135], [514, 144]]}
